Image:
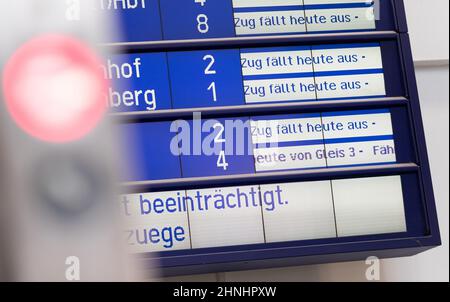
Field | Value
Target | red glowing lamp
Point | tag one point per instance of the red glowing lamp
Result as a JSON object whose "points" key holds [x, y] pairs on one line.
{"points": [[54, 88]]}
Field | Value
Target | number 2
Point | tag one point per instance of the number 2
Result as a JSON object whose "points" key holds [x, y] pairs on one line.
{"points": [[219, 137], [208, 69], [221, 160]]}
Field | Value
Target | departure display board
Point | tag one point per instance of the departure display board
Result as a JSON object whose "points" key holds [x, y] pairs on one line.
{"points": [[215, 78], [250, 145], [268, 133], [156, 20]]}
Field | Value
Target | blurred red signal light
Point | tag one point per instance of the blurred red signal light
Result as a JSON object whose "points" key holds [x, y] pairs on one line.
{"points": [[54, 88]]}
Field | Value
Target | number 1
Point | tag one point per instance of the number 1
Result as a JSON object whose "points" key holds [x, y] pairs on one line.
{"points": [[212, 87]]}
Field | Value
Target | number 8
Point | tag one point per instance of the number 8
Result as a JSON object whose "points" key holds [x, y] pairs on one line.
{"points": [[202, 23]]}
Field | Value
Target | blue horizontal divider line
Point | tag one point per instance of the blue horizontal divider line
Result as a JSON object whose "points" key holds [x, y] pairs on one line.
{"points": [[276, 49], [345, 31], [355, 112], [278, 76], [324, 114], [287, 34], [348, 72], [346, 46], [319, 99], [286, 117], [327, 141], [280, 102], [361, 4], [359, 139], [290, 144], [293, 169], [352, 98], [302, 7], [269, 9], [309, 48], [313, 74], [363, 165], [311, 32]]}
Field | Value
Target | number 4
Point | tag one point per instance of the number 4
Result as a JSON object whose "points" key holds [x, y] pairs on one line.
{"points": [[222, 161], [201, 2]]}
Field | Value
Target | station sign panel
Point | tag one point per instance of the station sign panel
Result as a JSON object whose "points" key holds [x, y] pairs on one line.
{"points": [[269, 133]]}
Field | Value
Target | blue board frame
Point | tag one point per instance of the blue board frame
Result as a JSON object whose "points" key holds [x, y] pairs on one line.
{"points": [[319, 251]]}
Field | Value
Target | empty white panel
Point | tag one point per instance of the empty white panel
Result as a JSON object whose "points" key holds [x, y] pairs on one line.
{"points": [[301, 211], [369, 206], [232, 217]]}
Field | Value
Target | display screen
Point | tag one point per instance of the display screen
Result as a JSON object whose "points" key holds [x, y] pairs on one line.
{"points": [[244, 215], [251, 145], [235, 141], [155, 20], [292, 16], [233, 77]]}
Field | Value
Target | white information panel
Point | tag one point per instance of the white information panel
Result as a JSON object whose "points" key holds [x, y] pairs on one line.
{"points": [[323, 140], [262, 17], [364, 206], [225, 216], [246, 215], [156, 221], [313, 73], [305, 212]]}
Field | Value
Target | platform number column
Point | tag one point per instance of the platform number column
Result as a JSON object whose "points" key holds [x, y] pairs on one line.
{"points": [[220, 141], [197, 19], [209, 70], [202, 19]]}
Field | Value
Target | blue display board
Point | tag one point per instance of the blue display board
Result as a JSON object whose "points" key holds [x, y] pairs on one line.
{"points": [[258, 138], [155, 20], [231, 77]]}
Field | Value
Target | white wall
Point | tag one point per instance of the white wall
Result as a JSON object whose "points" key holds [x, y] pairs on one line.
{"points": [[434, 93], [428, 22]]}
